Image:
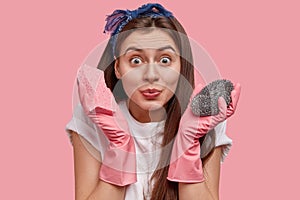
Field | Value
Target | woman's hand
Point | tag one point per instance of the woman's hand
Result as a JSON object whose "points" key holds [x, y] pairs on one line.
{"points": [[185, 164], [119, 161]]}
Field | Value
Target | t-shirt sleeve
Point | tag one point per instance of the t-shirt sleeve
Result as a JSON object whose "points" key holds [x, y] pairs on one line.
{"points": [[217, 138], [93, 138]]}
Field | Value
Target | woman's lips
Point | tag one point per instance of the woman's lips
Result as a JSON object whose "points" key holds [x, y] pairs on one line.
{"points": [[151, 93]]}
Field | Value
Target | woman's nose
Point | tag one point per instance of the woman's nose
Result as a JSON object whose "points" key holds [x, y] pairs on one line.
{"points": [[151, 73]]}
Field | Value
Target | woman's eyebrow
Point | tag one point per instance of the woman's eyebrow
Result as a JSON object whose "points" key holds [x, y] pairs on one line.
{"points": [[132, 49], [167, 47], [159, 49]]}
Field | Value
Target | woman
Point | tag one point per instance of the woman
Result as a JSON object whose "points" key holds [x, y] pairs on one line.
{"points": [[152, 150]]}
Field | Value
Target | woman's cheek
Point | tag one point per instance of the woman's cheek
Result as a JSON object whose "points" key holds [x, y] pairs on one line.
{"points": [[171, 79], [131, 81]]}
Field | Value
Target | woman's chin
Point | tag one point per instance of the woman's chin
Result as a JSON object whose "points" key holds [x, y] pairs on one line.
{"points": [[151, 106]]}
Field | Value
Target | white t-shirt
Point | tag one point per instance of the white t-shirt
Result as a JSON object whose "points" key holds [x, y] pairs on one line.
{"points": [[148, 137]]}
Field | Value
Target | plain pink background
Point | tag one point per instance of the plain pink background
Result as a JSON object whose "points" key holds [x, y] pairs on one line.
{"points": [[255, 43]]}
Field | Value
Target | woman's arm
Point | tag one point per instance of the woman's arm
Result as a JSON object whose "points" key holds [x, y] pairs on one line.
{"points": [[88, 186], [208, 189]]}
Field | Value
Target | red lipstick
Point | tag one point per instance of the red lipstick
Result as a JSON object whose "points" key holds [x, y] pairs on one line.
{"points": [[151, 93]]}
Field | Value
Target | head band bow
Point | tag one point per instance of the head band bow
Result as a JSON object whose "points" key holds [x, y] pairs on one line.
{"points": [[119, 18]]}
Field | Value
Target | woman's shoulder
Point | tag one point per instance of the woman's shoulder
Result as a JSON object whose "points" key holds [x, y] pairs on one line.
{"points": [[86, 128]]}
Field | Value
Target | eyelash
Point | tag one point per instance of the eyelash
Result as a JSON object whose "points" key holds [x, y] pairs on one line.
{"points": [[164, 57], [131, 60]]}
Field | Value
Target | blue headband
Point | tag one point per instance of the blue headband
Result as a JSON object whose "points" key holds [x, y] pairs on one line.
{"points": [[119, 18]]}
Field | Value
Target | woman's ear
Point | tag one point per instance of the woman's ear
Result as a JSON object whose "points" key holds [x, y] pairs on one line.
{"points": [[117, 73]]}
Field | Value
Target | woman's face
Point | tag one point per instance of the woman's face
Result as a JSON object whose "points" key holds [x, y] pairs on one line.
{"points": [[149, 67]]}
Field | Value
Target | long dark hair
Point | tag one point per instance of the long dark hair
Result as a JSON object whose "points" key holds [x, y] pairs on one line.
{"points": [[162, 189]]}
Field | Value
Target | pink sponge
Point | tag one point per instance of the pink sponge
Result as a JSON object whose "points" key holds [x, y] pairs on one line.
{"points": [[94, 95]]}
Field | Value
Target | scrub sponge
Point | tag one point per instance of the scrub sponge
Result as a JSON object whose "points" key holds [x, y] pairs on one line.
{"points": [[205, 103]]}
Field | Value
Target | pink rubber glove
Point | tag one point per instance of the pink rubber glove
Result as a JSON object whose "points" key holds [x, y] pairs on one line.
{"points": [[119, 160], [185, 165]]}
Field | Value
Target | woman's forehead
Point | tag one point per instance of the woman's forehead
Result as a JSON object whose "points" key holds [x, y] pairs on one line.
{"points": [[154, 39]]}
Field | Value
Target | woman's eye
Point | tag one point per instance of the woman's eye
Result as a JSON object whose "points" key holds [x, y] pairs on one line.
{"points": [[165, 60], [136, 61]]}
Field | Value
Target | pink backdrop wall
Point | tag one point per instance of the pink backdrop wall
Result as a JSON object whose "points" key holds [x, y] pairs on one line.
{"points": [[255, 43]]}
